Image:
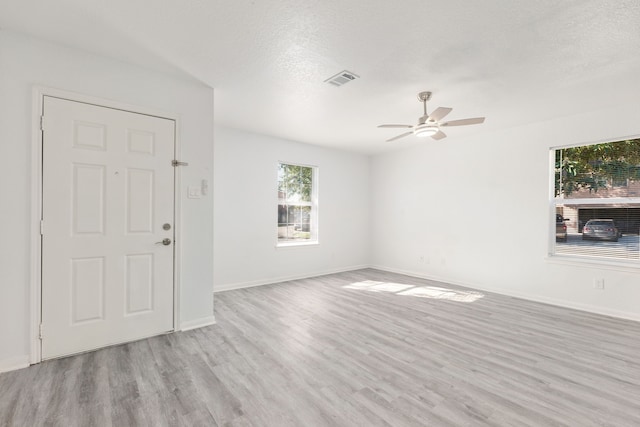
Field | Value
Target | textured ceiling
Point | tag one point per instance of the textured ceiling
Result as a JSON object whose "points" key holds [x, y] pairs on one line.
{"points": [[513, 61]]}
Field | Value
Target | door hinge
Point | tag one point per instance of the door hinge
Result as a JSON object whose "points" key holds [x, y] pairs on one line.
{"points": [[40, 331], [42, 227], [41, 122], [176, 163]]}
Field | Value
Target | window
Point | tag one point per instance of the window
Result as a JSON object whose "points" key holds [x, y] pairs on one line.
{"points": [[597, 200], [297, 204]]}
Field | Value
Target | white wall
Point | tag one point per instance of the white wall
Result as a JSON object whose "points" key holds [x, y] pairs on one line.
{"points": [[478, 210], [25, 62], [245, 213]]}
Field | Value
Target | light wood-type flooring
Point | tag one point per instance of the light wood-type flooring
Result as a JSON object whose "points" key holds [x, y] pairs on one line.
{"points": [[363, 348]]}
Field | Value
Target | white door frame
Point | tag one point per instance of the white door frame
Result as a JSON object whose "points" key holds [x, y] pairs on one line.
{"points": [[39, 93]]}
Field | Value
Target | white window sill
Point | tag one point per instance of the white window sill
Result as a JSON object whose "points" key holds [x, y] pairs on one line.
{"points": [[631, 266], [296, 244]]}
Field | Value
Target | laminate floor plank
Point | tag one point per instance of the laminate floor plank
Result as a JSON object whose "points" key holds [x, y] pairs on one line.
{"points": [[361, 348]]}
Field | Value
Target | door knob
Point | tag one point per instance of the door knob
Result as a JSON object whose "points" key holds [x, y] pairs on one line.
{"points": [[165, 242]]}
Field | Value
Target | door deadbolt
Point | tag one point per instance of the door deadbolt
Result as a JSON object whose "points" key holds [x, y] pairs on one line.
{"points": [[165, 242], [166, 226]]}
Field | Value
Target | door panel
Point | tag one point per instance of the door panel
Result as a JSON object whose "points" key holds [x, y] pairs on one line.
{"points": [[87, 289], [108, 187], [139, 283], [88, 199], [140, 190]]}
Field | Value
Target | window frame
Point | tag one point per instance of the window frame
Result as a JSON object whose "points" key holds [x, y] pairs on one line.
{"points": [[618, 264], [314, 214]]}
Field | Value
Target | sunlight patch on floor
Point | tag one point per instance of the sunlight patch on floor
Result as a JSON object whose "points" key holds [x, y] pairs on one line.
{"points": [[373, 286], [432, 292]]}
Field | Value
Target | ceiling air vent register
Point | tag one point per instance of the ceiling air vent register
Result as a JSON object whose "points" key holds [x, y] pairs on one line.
{"points": [[343, 77]]}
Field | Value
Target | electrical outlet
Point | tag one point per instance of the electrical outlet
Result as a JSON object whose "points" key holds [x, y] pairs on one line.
{"points": [[421, 259], [598, 284]]}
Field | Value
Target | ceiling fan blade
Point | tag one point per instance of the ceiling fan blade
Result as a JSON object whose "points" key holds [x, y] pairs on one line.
{"points": [[395, 126], [399, 136], [439, 113], [464, 122], [439, 135]]}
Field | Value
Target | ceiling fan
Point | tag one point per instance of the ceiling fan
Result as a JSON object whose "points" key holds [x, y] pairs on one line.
{"points": [[430, 124]]}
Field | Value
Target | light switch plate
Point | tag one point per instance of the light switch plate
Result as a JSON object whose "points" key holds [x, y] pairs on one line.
{"points": [[194, 192]]}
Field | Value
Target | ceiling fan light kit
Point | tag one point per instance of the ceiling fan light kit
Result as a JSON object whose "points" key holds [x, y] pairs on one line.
{"points": [[429, 124], [425, 130]]}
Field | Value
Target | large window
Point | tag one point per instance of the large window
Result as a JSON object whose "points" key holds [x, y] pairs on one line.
{"points": [[596, 203], [297, 204]]}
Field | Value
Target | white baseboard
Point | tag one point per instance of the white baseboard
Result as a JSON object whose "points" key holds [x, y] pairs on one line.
{"points": [[536, 298], [14, 363], [270, 281], [198, 323]]}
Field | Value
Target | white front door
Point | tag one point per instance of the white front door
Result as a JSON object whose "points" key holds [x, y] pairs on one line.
{"points": [[108, 199]]}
